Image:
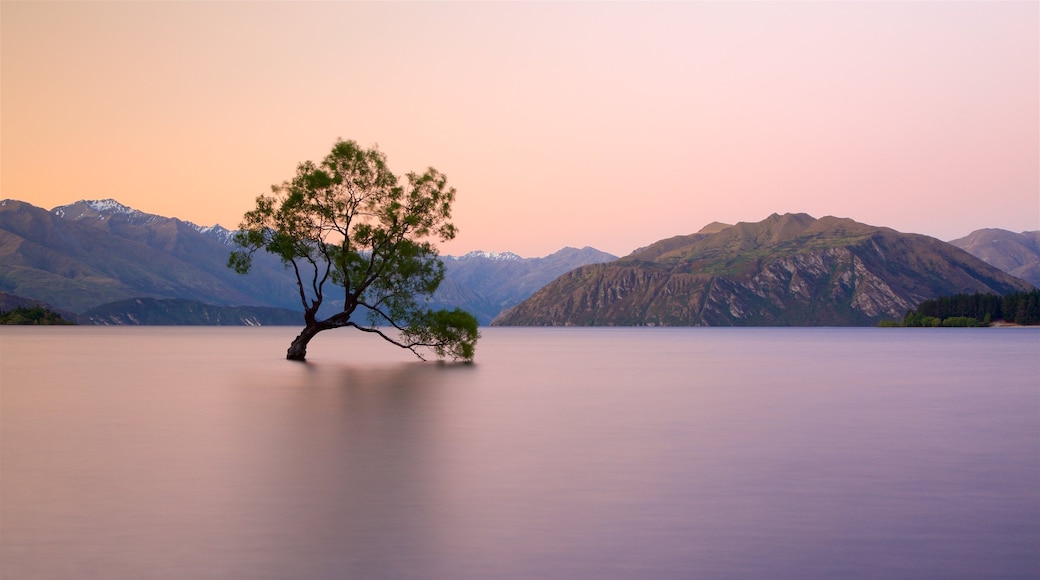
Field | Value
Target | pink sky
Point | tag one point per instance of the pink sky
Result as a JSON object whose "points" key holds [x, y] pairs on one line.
{"points": [[604, 124]]}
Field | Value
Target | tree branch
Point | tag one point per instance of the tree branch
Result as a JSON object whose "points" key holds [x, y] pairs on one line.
{"points": [[299, 284], [375, 330], [314, 281]]}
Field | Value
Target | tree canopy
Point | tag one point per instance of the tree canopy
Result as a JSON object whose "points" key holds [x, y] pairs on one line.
{"points": [[348, 225], [31, 315], [958, 310]]}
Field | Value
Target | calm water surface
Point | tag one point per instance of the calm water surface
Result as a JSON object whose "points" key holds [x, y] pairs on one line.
{"points": [[563, 453]]}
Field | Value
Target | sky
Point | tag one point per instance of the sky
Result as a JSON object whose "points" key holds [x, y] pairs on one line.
{"points": [[610, 125]]}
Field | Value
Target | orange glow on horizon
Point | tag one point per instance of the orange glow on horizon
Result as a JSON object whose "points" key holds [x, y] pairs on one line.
{"points": [[604, 124]]}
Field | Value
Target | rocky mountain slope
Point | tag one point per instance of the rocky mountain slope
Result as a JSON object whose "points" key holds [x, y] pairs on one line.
{"points": [[788, 269], [1016, 254], [89, 253], [92, 253]]}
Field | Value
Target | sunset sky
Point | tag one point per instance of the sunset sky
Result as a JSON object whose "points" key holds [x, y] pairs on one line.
{"points": [[560, 123]]}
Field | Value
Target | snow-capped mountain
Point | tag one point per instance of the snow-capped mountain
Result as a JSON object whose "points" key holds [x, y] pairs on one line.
{"points": [[93, 252], [104, 209], [485, 283], [93, 208], [509, 256], [100, 210], [217, 232]]}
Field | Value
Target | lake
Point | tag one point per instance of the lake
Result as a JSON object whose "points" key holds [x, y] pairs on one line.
{"points": [[177, 452]]}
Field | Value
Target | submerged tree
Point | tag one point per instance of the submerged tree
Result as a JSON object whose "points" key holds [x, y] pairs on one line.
{"points": [[351, 224]]}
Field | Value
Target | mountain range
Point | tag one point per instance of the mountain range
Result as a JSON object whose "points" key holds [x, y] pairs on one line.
{"points": [[102, 262], [790, 269], [89, 253], [99, 258], [486, 283], [1017, 254]]}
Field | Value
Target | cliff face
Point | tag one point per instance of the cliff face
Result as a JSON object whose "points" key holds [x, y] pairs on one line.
{"points": [[788, 270]]}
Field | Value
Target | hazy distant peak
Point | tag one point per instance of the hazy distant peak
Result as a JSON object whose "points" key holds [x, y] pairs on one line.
{"points": [[584, 255], [714, 228], [1015, 253], [492, 255], [987, 235]]}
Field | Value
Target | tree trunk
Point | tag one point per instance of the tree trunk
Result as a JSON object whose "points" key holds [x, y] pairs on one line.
{"points": [[298, 348]]}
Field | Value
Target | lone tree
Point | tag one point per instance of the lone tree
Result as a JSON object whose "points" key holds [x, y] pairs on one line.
{"points": [[350, 222]]}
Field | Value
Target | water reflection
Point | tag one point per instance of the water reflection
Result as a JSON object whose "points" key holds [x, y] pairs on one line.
{"points": [[340, 470], [592, 453], [156, 468]]}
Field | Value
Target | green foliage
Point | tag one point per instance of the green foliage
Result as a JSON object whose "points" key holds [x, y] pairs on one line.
{"points": [[969, 309], [351, 223], [960, 321], [1022, 308], [34, 315], [448, 332]]}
